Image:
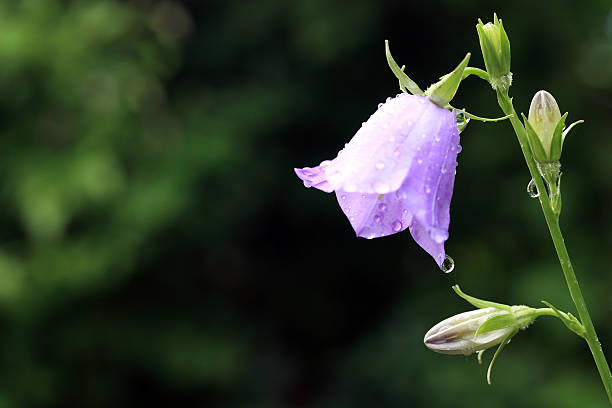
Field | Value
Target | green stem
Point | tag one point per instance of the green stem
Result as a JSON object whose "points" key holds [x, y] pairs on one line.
{"points": [[557, 237]]}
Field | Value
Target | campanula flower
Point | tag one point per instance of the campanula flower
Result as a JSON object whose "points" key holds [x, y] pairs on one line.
{"points": [[397, 172]]}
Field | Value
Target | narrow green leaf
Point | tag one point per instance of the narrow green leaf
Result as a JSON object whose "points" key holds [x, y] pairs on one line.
{"points": [[566, 131], [569, 320], [405, 82], [556, 144], [499, 349], [479, 303]]}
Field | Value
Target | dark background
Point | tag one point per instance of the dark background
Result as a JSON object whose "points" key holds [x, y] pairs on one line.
{"points": [[157, 248]]}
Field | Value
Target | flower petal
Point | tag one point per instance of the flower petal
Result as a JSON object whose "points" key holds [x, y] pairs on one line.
{"points": [[428, 188], [380, 155], [373, 216], [423, 237], [315, 177]]}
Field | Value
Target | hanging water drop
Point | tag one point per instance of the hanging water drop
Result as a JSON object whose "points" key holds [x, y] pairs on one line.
{"points": [[447, 265], [397, 226], [461, 118], [532, 189]]}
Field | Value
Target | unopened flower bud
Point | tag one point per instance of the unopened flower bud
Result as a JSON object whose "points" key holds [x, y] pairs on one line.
{"points": [[457, 334], [544, 116], [495, 48]]}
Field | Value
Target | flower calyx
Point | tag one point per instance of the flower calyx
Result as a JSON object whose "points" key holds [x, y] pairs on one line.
{"points": [[545, 128]]}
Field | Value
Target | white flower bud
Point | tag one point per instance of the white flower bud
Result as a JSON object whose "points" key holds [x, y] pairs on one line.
{"points": [[457, 334], [544, 115]]}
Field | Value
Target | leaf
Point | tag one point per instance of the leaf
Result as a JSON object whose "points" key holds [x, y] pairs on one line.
{"points": [[405, 82], [479, 303], [499, 349], [556, 144]]}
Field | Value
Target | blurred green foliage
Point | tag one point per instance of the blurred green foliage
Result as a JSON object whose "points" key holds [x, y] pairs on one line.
{"points": [[156, 248]]}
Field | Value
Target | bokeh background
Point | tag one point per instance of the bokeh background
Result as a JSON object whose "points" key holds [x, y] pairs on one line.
{"points": [[157, 248]]}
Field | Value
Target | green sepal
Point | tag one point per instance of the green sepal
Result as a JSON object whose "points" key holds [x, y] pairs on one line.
{"points": [[566, 131], [443, 91], [499, 349], [537, 148], [556, 145], [569, 320], [406, 84], [479, 303], [496, 323]]}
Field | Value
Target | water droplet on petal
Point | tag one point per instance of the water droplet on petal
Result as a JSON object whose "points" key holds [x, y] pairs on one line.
{"points": [[367, 233], [382, 207], [380, 105], [392, 138], [380, 165], [352, 219], [388, 99], [343, 197], [447, 265], [397, 225], [427, 189], [377, 219], [532, 189], [420, 161]]}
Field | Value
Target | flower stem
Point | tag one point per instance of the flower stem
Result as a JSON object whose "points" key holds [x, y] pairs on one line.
{"points": [[552, 220]]}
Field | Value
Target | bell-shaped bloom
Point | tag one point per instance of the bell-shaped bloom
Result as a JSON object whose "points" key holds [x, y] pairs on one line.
{"points": [[397, 172]]}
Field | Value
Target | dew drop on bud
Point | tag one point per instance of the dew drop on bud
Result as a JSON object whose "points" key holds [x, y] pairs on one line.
{"points": [[447, 265], [532, 189]]}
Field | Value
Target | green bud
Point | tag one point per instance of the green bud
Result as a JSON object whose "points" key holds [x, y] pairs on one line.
{"points": [[477, 330], [495, 48]]}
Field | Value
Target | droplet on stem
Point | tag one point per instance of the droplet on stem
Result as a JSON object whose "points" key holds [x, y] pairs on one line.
{"points": [[532, 189]]}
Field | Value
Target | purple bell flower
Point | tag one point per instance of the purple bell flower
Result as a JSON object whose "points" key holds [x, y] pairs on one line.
{"points": [[397, 172]]}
